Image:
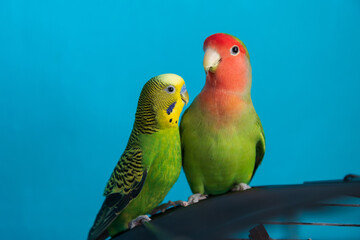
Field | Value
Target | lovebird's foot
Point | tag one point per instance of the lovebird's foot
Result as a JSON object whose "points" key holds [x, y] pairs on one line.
{"points": [[196, 198], [165, 206], [240, 187], [139, 221]]}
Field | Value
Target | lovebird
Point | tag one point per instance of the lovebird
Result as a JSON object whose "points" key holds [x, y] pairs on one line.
{"points": [[222, 137], [151, 162]]}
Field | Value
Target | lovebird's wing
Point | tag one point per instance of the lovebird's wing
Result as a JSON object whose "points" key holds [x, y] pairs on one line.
{"points": [[260, 147], [124, 185]]}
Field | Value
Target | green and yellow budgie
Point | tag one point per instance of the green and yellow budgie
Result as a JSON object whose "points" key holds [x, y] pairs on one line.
{"points": [[222, 137], [151, 162]]}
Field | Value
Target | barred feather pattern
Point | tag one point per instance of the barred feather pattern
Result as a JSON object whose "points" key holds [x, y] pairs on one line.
{"points": [[127, 173], [145, 118], [130, 173], [129, 170]]}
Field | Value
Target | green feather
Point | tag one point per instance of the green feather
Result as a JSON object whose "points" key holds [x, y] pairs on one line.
{"points": [[150, 164], [216, 158]]}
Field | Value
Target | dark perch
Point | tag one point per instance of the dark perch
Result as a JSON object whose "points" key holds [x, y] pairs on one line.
{"points": [[219, 216]]}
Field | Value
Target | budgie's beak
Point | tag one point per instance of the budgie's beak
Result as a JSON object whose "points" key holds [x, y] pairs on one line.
{"points": [[211, 60], [184, 94]]}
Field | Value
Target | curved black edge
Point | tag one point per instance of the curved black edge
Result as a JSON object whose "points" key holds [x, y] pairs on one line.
{"points": [[351, 177], [219, 216]]}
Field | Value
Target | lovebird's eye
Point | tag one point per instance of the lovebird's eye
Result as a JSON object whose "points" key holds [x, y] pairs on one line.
{"points": [[234, 50], [170, 89]]}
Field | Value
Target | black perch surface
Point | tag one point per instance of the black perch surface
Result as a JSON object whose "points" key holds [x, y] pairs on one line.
{"points": [[219, 216]]}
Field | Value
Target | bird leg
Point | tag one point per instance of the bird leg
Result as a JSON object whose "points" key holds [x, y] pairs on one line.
{"points": [[240, 187], [139, 221], [163, 207], [196, 198]]}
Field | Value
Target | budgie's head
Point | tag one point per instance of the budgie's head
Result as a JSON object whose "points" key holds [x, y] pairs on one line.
{"points": [[161, 102], [227, 61]]}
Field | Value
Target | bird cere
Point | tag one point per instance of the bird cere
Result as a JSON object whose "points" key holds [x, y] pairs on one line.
{"points": [[220, 142]]}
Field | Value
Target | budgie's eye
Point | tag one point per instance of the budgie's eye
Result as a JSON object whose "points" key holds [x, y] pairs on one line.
{"points": [[234, 50], [170, 89]]}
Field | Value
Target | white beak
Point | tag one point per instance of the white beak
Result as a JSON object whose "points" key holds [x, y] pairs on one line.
{"points": [[211, 60]]}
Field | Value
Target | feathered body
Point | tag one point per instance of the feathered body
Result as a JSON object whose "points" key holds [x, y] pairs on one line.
{"points": [[151, 162], [162, 151], [222, 138]]}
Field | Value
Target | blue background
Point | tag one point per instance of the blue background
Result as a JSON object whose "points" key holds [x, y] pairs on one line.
{"points": [[71, 73]]}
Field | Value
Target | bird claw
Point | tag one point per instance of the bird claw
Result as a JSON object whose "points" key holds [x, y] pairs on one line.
{"points": [[180, 203], [163, 207], [240, 187], [195, 198], [139, 221]]}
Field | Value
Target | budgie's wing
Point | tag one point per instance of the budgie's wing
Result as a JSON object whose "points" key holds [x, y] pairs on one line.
{"points": [[260, 147], [124, 185]]}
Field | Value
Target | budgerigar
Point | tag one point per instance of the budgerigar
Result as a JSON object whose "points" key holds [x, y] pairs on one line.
{"points": [[151, 162], [222, 137]]}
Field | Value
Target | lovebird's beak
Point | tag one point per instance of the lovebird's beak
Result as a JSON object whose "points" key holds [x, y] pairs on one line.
{"points": [[211, 60], [184, 94]]}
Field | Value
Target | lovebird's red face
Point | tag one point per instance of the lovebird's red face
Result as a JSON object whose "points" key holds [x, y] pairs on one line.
{"points": [[226, 57]]}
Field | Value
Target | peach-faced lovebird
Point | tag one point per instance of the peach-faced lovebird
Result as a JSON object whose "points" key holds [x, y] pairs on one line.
{"points": [[151, 162], [221, 135]]}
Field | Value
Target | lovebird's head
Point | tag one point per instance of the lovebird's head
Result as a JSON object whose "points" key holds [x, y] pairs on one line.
{"points": [[227, 61], [161, 102]]}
